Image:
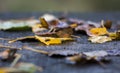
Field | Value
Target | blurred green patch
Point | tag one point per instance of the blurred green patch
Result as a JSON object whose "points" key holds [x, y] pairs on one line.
{"points": [[59, 5]]}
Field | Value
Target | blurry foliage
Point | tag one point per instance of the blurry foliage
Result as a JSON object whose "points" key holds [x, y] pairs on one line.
{"points": [[59, 5]]}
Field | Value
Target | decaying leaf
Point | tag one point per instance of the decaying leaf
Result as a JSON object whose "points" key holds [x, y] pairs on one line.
{"points": [[21, 68], [64, 32], [99, 39], [87, 57], [57, 33], [98, 31]]}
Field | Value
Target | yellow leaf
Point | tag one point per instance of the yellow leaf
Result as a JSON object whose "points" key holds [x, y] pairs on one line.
{"points": [[73, 25], [51, 40], [98, 31], [115, 35], [48, 40], [44, 23], [37, 28]]}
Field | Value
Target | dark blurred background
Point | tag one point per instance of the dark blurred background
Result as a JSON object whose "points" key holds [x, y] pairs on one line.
{"points": [[59, 5]]}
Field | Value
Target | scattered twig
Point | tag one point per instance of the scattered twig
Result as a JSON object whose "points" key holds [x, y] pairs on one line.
{"points": [[35, 50], [75, 36], [18, 56], [22, 38], [102, 23], [9, 47], [5, 39], [102, 64]]}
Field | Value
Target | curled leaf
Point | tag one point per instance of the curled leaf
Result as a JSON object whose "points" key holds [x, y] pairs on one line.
{"points": [[49, 17], [44, 23]]}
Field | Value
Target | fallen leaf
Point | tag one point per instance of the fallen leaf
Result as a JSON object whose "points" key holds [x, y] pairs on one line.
{"points": [[99, 39], [64, 32], [38, 28], [88, 57], [98, 31], [85, 27], [57, 53], [115, 35], [49, 17], [82, 59], [51, 40], [96, 53], [44, 23], [63, 53]]}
